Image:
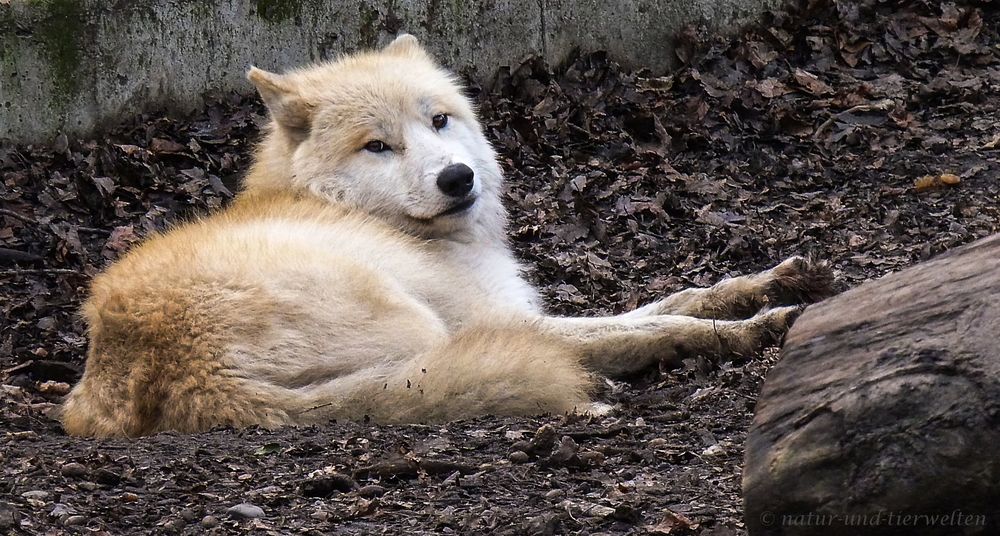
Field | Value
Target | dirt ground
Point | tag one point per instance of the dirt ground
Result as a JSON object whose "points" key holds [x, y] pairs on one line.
{"points": [[862, 132]]}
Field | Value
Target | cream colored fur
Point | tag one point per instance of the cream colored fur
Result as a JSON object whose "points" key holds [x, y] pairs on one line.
{"points": [[333, 288]]}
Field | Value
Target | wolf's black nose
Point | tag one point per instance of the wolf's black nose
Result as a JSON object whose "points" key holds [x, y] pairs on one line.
{"points": [[456, 180]]}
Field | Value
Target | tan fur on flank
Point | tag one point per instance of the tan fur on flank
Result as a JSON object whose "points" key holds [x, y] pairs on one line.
{"points": [[342, 283]]}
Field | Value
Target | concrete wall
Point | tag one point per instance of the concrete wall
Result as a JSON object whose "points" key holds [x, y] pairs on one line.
{"points": [[77, 65]]}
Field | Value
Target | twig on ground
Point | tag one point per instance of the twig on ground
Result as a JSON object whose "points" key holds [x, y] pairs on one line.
{"points": [[18, 216], [15, 368], [39, 271], [40, 225], [877, 106]]}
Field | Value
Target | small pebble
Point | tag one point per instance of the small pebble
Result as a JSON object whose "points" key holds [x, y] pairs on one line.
{"points": [[371, 490], [245, 511], [592, 457], [324, 486], [657, 442], [35, 494], [713, 451], [73, 470], [210, 522], [566, 453], [54, 388], [107, 477], [543, 525], [60, 510], [73, 521], [519, 456], [18, 381], [521, 445], [554, 494], [545, 438], [587, 509], [176, 524]]}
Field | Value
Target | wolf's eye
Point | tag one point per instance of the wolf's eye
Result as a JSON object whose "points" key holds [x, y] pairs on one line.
{"points": [[440, 121], [376, 146]]}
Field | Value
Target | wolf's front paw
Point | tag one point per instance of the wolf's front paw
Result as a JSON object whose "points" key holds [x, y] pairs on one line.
{"points": [[771, 325], [799, 280]]}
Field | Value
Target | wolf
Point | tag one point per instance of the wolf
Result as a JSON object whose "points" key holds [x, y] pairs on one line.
{"points": [[363, 272]]}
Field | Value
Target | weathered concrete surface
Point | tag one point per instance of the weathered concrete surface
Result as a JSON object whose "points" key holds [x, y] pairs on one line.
{"points": [[76, 65]]}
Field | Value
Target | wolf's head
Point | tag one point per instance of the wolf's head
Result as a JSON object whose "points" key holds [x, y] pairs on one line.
{"points": [[387, 132]]}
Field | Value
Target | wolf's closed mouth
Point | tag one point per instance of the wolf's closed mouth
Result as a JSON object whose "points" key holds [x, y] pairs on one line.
{"points": [[461, 207]]}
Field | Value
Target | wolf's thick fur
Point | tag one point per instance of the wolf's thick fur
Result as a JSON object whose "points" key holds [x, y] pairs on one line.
{"points": [[344, 283]]}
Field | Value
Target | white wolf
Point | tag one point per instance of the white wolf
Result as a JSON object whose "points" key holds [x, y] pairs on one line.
{"points": [[364, 271]]}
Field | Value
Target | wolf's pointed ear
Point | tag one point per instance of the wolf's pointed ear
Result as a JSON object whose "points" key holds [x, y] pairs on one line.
{"points": [[287, 106], [405, 45]]}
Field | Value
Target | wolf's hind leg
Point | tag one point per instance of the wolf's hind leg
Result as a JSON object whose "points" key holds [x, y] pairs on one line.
{"points": [[793, 282], [205, 397], [513, 370]]}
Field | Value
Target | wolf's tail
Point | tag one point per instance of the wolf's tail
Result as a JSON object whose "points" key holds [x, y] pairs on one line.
{"points": [[511, 370]]}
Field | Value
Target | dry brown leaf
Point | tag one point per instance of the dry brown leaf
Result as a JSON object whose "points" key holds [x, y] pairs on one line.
{"points": [[122, 238], [811, 83], [926, 182], [992, 144], [929, 182], [950, 179], [771, 88], [160, 145], [672, 523]]}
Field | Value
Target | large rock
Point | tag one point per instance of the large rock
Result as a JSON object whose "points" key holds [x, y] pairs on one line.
{"points": [[883, 415]]}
